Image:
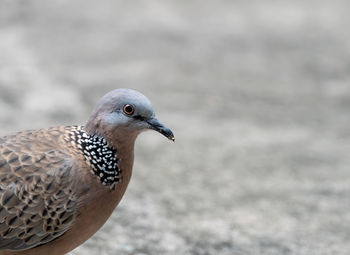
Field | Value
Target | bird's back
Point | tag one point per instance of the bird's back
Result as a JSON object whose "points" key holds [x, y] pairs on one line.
{"points": [[37, 196]]}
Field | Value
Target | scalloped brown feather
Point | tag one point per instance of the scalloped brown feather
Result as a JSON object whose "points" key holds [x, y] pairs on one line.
{"points": [[38, 200]]}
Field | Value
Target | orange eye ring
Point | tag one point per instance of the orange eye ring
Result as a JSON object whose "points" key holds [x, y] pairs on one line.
{"points": [[128, 109]]}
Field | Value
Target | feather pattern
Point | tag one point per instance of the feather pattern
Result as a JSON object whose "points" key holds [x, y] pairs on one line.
{"points": [[38, 200]]}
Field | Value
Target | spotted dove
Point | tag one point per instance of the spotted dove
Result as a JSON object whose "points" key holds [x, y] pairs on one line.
{"points": [[59, 185]]}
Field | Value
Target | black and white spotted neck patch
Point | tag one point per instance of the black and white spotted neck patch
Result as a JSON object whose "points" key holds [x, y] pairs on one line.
{"points": [[99, 155]]}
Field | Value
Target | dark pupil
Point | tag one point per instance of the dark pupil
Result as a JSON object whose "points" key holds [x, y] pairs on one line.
{"points": [[128, 109]]}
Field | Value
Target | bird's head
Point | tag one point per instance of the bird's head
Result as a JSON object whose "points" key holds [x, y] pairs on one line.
{"points": [[123, 114]]}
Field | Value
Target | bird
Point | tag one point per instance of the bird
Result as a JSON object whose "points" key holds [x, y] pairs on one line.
{"points": [[59, 185]]}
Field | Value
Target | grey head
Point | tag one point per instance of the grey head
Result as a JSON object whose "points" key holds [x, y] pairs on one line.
{"points": [[122, 114]]}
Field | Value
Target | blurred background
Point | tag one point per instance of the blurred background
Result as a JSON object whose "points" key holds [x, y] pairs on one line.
{"points": [[257, 93]]}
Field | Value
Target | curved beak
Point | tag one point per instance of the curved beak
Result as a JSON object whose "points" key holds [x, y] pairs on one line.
{"points": [[159, 127]]}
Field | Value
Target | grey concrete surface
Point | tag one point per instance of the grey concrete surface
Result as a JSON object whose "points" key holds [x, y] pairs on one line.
{"points": [[257, 93]]}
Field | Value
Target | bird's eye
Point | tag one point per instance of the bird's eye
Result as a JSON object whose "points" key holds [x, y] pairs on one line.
{"points": [[128, 109]]}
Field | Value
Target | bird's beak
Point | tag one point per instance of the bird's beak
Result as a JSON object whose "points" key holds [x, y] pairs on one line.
{"points": [[159, 127]]}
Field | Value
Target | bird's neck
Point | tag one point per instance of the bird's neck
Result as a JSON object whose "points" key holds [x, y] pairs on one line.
{"points": [[124, 143], [122, 140]]}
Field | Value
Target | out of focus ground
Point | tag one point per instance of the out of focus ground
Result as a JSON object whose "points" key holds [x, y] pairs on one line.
{"points": [[257, 93]]}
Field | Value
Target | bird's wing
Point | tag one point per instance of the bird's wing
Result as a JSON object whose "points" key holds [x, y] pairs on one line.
{"points": [[37, 201]]}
